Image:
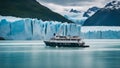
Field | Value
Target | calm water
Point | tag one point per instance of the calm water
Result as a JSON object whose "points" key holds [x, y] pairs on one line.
{"points": [[34, 54]]}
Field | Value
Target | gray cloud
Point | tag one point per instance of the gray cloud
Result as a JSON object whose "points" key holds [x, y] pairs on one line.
{"points": [[76, 4], [67, 2]]}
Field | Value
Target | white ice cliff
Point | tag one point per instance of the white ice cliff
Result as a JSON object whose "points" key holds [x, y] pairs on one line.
{"points": [[33, 29], [100, 32], [27, 29]]}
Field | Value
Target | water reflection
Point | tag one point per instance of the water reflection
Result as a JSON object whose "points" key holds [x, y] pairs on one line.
{"points": [[61, 59], [39, 56]]}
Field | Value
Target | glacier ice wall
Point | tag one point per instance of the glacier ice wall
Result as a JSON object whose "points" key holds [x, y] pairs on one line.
{"points": [[27, 29], [100, 32], [33, 29]]}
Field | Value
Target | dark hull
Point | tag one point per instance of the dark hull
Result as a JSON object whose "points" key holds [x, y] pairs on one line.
{"points": [[54, 44]]}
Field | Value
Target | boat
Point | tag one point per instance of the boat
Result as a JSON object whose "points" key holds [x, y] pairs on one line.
{"points": [[65, 41]]}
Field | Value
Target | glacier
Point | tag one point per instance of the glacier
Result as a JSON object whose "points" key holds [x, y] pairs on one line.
{"points": [[76, 18], [34, 29], [100, 32]]}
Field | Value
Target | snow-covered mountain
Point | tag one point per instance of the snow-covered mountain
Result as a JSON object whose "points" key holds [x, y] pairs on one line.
{"points": [[74, 11], [91, 11], [79, 16], [106, 16], [113, 5], [74, 15]]}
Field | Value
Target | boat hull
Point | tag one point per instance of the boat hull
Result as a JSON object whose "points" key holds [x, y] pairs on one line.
{"points": [[59, 44]]}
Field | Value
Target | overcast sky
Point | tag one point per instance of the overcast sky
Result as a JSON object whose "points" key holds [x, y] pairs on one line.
{"points": [[58, 5]]}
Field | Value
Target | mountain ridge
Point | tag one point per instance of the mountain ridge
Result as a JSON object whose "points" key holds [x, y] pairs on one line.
{"points": [[105, 17], [91, 11], [29, 9]]}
